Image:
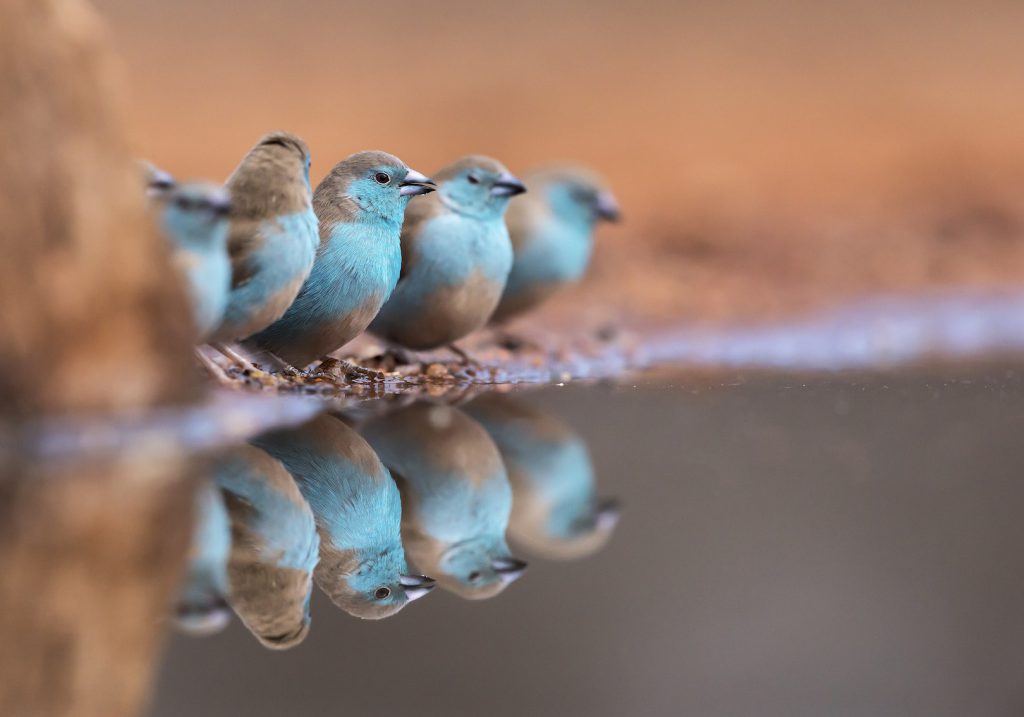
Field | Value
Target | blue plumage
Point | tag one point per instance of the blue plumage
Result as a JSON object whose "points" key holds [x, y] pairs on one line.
{"points": [[202, 608], [456, 256], [358, 512]]}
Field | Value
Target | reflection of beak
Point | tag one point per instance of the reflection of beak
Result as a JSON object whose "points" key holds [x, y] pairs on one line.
{"points": [[608, 512], [416, 183], [508, 569], [607, 208], [416, 586], [508, 185]]}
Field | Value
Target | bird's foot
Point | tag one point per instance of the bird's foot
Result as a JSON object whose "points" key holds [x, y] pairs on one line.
{"points": [[214, 369], [466, 358], [396, 356], [339, 368], [244, 364]]}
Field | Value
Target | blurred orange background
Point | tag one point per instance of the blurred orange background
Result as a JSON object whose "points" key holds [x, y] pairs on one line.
{"points": [[671, 100]]}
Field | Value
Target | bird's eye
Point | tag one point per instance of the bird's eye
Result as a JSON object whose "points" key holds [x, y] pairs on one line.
{"points": [[381, 593], [473, 179], [382, 177], [474, 576]]}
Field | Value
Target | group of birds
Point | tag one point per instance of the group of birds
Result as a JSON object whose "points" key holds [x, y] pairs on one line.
{"points": [[285, 274], [351, 503]]}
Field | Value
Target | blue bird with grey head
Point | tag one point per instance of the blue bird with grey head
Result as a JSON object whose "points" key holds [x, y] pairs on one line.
{"points": [[358, 514], [360, 205], [274, 546], [202, 607], [556, 512], [273, 235], [456, 256], [552, 233], [456, 497], [194, 217]]}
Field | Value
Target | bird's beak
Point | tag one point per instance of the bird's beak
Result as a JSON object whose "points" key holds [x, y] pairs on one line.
{"points": [[508, 569], [508, 185], [416, 586], [159, 183], [607, 208], [416, 183], [607, 514]]}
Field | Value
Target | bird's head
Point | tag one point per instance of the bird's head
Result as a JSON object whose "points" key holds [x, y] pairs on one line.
{"points": [[478, 187], [576, 195], [372, 184], [478, 572], [370, 583], [195, 215], [288, 151]]}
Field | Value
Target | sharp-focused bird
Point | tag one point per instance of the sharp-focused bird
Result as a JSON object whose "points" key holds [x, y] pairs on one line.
{"points": [[360, 205], [456, 256], [273, 234]]}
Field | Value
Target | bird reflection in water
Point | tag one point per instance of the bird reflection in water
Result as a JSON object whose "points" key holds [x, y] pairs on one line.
{"points": [[358, 514], [345, 506], [274, 547], [556, 513], [456, 497]]}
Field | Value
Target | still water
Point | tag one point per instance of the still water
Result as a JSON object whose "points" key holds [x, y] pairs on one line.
{"points": [[843, 544]]}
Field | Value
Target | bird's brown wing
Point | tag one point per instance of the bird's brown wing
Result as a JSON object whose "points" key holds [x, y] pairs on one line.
{"points": [[244, 240]]}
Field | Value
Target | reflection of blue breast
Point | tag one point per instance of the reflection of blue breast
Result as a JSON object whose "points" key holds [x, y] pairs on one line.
{"points": [[355, 508]]}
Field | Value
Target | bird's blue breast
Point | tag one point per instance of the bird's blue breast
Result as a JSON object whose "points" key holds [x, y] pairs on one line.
{"points": [[554, 253]]}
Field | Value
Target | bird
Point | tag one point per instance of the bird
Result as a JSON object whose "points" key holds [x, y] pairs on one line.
{"points": [[456, 256], [194, 218], [274, 546], [556, 512], [456, 497], [552, 235], [273, 235], [202, 607], [360, 205], [358, 515]]}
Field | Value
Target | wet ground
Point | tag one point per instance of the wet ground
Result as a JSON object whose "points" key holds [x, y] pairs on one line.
{"points": [[786, 544]]}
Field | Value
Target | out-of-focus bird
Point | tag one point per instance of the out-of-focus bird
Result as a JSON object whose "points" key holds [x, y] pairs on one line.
{"points": [[273, 235], [360, 206], [455, 496], [552, 232], [194, 218], [456, 257], [156, 180], [358, 514], [556, 512], [202, 608], [274, 547]]}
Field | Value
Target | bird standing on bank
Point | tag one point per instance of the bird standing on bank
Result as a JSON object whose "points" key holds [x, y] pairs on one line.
{"points": [[456, 256], [360, 205], [273, 234], [358, 515], [195, 220], [552, 232]]}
